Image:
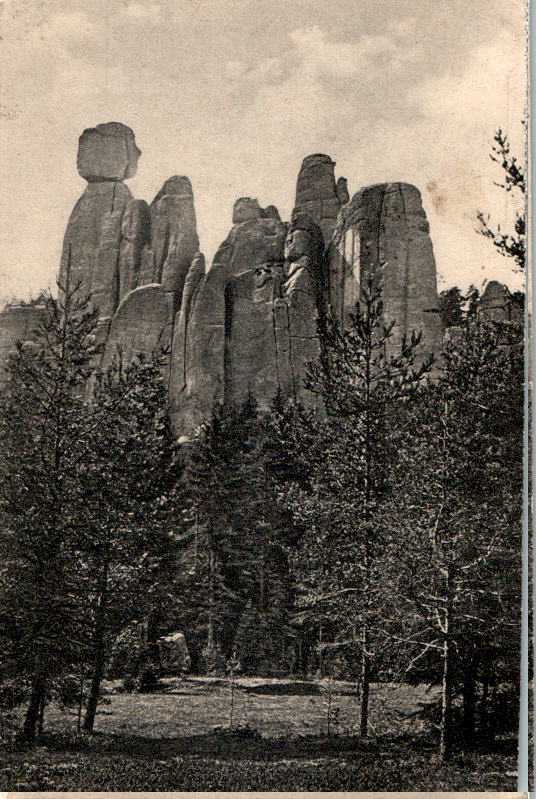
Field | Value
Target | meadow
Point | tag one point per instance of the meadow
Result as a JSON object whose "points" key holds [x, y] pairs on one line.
{"points": [[207, 734]]}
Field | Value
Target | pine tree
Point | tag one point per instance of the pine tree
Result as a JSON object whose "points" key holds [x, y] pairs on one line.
{"points": [[124, 481], [457, 521], [362, 384], [239, 531], [511, 245], [43, 427]]}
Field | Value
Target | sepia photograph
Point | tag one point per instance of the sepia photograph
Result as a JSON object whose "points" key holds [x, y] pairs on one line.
{"points": [[263, 389]]}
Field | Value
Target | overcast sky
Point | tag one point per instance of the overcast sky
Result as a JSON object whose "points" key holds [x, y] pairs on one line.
{"points": [[234, 93]]}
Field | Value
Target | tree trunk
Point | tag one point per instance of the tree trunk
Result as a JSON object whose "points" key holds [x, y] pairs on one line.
{"points": [[41, 719], [98, 656], [365, 688], [211, 601], [31, 719], [445, 739]]}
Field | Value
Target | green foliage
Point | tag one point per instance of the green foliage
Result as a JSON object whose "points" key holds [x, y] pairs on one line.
{"points": [[147, 679], [43, 426], [457, 522], [451, 307]]}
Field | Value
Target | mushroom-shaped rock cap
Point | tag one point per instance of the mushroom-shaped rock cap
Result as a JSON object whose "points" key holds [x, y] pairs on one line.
{"points": [[246, 208], [271, 212], [107, 152]]}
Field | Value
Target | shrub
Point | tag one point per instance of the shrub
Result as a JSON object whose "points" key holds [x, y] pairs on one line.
{"points": [[129, 684], [147, 679]]}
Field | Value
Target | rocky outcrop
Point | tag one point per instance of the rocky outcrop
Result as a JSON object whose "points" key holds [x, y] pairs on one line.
{"points": [[18, 323], [383, 232], [141, 325], [129, 258], [496, 303], [174, 235], [250, 325], [219, 347], [317, 194]]}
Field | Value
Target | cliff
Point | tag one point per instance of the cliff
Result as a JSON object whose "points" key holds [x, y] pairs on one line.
{"points": [[249, 322]]}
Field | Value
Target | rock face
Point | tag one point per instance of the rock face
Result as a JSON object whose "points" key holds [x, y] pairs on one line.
{"points": [[495, 303], [17, 323], [383, 232], [141, 324], [317, 194], [129, 258], [222, 336], [249, 324], [174, 235]]}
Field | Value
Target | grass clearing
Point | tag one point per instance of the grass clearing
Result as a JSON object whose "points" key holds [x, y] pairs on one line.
{"points": [[167, 741]]}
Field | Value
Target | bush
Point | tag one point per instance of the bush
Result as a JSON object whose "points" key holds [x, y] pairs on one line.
{"points": [[68, 691], [147, 679], [213, 661], [129, 684], [12, 694]]}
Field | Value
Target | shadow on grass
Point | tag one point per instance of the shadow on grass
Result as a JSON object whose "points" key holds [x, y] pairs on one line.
{"points": [[230, 747]]}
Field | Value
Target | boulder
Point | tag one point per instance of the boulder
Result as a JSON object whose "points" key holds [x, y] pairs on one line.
{"points": [[107, 152], [173, 653]]}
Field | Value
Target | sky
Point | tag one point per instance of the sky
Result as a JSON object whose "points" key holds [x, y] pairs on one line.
{"points": [[235, 93]]}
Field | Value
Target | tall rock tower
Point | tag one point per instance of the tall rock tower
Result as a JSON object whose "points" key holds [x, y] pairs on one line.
{"points": [[131, 259], [383, 232], [249, 323]]}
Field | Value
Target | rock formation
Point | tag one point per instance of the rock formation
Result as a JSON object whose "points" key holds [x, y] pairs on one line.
{"points": [[383, 232], [223, 330], [318, 195], [18, 323], [131, 259], [496, 303], [249, 324]]}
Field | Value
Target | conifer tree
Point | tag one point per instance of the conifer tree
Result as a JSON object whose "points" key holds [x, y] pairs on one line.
{"points": [[457, 522], [43, 427], [124, 482], [362, 385]]}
